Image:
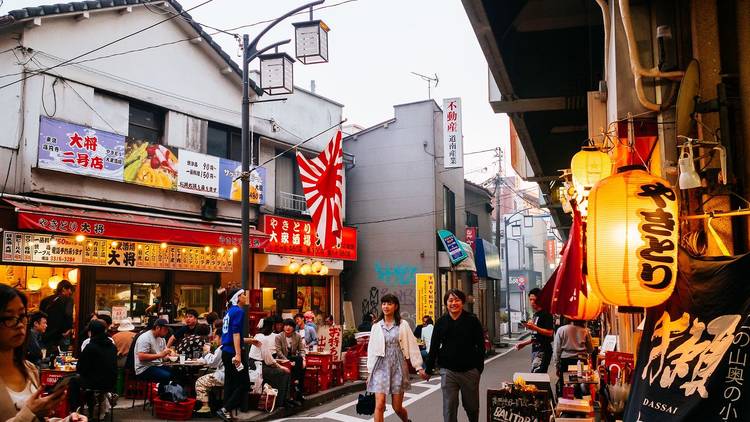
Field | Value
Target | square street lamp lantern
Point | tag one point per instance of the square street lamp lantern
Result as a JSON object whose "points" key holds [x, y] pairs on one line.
{"points": [[277, 73], [311, 39]]}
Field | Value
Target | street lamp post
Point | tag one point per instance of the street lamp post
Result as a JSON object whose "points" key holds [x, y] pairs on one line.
{"points": [[249, 53], [506, 221]]}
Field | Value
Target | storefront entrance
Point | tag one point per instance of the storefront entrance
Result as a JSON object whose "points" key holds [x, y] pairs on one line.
{"points": [[291, 293]]}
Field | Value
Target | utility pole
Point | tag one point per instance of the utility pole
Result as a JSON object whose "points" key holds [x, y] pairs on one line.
{"points": [[498, 210]]}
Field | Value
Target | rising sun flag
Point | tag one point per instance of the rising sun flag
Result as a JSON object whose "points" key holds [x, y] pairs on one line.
{"points": [[322, 181]]}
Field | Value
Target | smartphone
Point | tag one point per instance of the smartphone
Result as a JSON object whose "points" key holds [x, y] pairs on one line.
{"points": [[61, 384]]}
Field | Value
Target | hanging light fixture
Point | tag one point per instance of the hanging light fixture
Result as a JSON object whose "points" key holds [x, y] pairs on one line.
{"points": [[311, 41], [80, 238], [73, 276], [34, 283], [53, 281], [53, 241], [315, 267], [588, 166], [294, 267], [304, 269], [276, 73], [689, 178], [589, 306], [163, 245], [632, 238], [323, 270]]}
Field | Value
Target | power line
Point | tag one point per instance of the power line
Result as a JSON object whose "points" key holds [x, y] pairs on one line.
{"points": [[409, 217], [103, 46], [298, 13]]}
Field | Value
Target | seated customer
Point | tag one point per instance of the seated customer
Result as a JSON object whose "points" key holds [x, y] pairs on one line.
{"points": [[37, 327], [289, 346], [123, 338], [191, 322], [274, 374], [97, 364], [192, 344], [215, 379], [150, 349]]}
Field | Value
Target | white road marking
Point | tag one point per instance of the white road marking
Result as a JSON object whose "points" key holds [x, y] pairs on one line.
{"points": [[430, 387]]}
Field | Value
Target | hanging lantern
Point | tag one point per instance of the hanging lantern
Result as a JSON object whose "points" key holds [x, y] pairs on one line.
{"points": [[304, 269], [589, 306], [34, 283], [589, 166], [277, 73], [315, 267], [323, 270], [293, 267], [311, 41], [53, 281], [73, 276], [632, 238]]}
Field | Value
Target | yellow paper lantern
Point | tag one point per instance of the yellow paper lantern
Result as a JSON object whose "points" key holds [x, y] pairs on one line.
{"points": [[315, 267], [589, 166], [589, 306], [323, 270], [34, 283], [631, 238], [304, 269], [53, 281], [293, 267]]}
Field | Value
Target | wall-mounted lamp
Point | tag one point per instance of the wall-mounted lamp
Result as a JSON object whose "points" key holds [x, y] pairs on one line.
{"points": [[689, 178]]}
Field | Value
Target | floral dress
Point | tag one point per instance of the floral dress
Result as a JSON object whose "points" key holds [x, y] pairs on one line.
{"points": [[390, 374]]}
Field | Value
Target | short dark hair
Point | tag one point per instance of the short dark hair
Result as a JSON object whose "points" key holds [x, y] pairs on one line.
{"points": [[106, 318], [536, 291], [299, 315], [97, 328], [289, 322], [211, 317], [455, 292], [36, 317], [202, 330], [192, 312], [62, 285]]}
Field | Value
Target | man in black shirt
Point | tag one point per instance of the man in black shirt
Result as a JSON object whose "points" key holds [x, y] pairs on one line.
{"points": [[458, 346], [541, 340], [59, 310], [191, 321]]}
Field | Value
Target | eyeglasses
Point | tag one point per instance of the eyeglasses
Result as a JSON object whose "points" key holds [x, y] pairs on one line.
{"points": [[13, 321]]}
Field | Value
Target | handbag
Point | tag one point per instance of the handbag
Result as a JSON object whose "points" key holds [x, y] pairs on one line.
{"points": [[366, 404], [267, 399]]}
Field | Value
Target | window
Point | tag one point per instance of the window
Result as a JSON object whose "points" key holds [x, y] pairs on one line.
{"points": [[449, 210], [472, 220], [192, 296], [146, 122], [135, 297], [224, 141]]}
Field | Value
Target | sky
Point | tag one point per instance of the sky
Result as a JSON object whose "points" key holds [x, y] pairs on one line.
{"points": [[374, 45]]}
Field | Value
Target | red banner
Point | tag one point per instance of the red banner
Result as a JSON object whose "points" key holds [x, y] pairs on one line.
{"points": [[297, 237], [471, 237], [551, 247], [124, 226]]}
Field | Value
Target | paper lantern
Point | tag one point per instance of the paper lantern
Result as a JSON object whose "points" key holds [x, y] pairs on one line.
{"points": [[631, 238], [73, 276], [315, 267], [34, 283], [304, 269], [53, 281], [589, 306], [589, 166], [293, 267], [323, 270]]}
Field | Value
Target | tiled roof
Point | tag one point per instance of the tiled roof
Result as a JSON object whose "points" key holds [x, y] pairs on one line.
{"points": [[18, 15]]}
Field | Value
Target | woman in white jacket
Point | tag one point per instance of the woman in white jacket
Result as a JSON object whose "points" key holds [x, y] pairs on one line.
{"points": [[391, 349]]}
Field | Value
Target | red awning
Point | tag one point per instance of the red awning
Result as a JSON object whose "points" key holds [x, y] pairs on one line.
{"points": [[127, 226]]}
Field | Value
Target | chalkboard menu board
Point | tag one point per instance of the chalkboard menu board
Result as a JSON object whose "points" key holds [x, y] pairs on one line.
{"points": [[514, 405]]}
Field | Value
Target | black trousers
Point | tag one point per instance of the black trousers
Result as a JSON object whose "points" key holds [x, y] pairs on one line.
{"points": [[298, 373], [236, 383]]}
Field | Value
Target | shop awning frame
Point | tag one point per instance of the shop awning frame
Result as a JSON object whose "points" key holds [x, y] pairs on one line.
{"points": [[73, 219]]}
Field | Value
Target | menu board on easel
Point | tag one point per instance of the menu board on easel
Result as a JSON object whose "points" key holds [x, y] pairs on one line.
{"points": [[513, 404]]}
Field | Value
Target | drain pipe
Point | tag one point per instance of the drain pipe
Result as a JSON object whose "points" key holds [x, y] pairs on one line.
{"points": [[639, 72]]}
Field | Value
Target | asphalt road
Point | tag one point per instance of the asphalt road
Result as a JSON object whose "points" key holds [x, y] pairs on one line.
{"points": [[424, 401]]}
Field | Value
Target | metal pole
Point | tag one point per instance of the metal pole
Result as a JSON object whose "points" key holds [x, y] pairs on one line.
{"points": [[507, 276], [245, 177]]}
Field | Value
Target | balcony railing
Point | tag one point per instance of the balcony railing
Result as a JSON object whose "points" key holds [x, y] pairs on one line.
{"points": [[292, 202]]}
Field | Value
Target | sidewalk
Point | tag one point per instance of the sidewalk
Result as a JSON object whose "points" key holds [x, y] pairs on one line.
{"points": [[125, 413]]}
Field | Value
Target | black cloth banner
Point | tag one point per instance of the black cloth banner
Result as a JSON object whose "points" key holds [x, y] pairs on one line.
{"points": [[695, 347]]}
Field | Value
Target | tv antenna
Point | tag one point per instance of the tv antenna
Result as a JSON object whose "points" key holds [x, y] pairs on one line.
{"points": [[429, 81]]}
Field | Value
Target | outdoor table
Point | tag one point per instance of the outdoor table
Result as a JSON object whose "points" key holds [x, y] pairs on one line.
{"points": [[48, 378], [189, 372]]}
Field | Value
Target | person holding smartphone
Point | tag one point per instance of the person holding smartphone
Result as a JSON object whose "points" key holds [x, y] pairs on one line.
{"points": [[236, 378], [21, 395], [541, 339]]}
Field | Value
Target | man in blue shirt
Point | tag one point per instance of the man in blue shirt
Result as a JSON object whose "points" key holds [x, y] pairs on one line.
{"points": [[236, 379], [306, 330]]}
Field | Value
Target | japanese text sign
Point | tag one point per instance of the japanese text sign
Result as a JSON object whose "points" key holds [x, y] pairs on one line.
{"points": [[297, 237], [471, 236], [33, 248], [453, 143], [329, 336], [79, 150], [455, 251], [425, 289]]}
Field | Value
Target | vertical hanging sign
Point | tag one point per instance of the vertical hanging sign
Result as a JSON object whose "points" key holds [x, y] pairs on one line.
{"points": [[453, 142], [425, 283]]}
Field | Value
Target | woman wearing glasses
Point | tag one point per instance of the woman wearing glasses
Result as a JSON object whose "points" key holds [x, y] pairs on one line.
{"points": [[20, 393]]}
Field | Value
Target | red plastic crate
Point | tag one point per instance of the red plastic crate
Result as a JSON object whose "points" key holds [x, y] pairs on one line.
{"points": [[168, 410]]}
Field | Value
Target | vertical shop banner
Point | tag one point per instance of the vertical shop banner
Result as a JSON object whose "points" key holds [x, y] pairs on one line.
{"points": [[551, 248], [425, 290], [80, 150], [230, 186], [330, 338], [198, 174], [471, 237], [453, 142]]}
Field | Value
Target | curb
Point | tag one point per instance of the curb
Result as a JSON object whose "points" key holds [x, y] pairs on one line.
{"points": [[312, 401]]}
